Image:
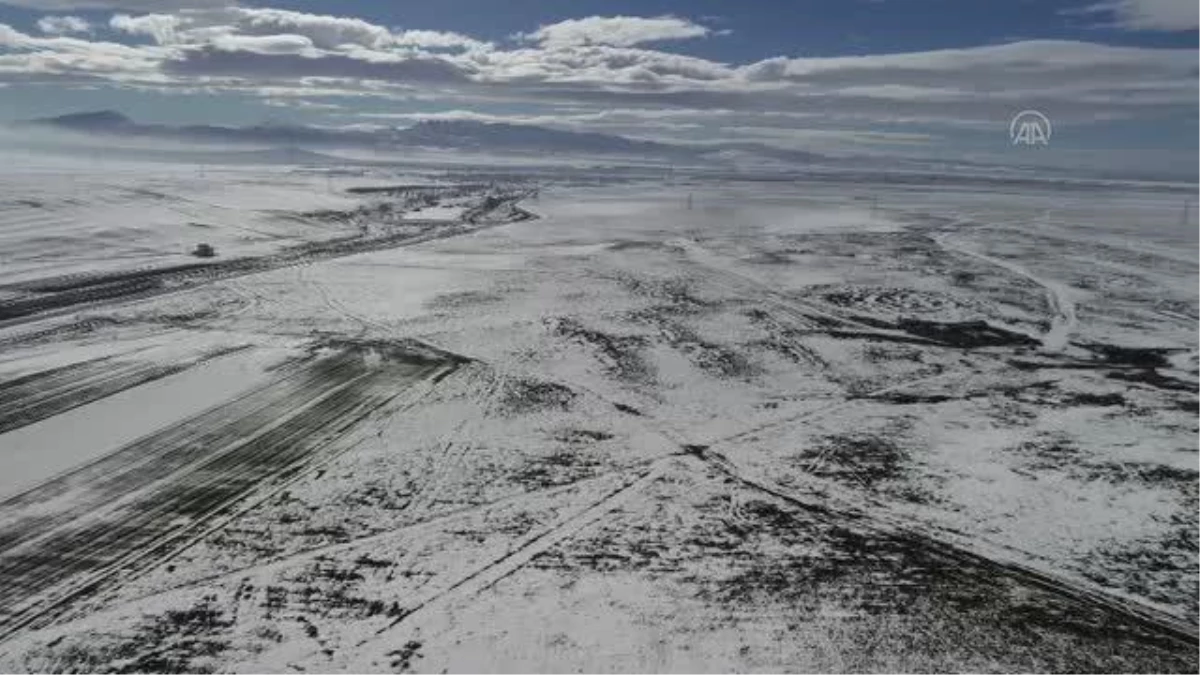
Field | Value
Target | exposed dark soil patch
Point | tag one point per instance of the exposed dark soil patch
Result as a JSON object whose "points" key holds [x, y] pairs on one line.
{"points": [[393, 213], [826, 557], [1142, 357], [635, 245], [523, 395], [769, 257], [1161, 567], [1039, 392], [792, 351], [185, 319], [892, 300], [857, 459], [1048, 453], [1149, 376], [715, 359], [380, 494], [326, 533], [895, 574], [177, 641], [620, 354], [463, 299], [401, 190], [568, 465], [782, 339], [1086, 398], [677, 294], [967, 334], [1188, 405], [628, 409], [1153, 378], [1140, 472], [887, 353], [911, 595], [909, 398], [402, 659], [324, 591], [837, 330], [582, 436]]}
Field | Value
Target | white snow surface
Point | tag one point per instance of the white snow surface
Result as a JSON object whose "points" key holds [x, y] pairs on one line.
{"points": [[655, 378]]}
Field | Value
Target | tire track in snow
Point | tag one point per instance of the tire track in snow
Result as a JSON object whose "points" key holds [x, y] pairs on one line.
{"points": [[497, 569], [36, 397], [195, 485], [454, 448], [83, 490], [836, 503], [1064, 321], [431, 523]]}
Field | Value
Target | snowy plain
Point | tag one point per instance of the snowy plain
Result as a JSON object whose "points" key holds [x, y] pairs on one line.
{"points": [[631, 423]]}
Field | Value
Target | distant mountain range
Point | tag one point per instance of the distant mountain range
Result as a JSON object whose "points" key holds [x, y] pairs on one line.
{"points": [[295, 144], [441, 134]]}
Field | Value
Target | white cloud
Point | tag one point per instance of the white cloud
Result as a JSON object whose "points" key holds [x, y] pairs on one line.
{"points": [[326, 32], [201, 26], [161, 27], [1164, 15], [69, 59], [601, 73], [131, 5], [620, 31], [63, 25], [241, 46], [264, 44], [300, 104], [437, 39]]}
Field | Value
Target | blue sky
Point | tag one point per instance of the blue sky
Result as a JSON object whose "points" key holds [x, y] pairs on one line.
{"points": [[916, 77], [758, 29]]}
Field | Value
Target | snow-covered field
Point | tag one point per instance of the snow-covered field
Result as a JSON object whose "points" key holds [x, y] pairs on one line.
{"points": [[402, 422]]}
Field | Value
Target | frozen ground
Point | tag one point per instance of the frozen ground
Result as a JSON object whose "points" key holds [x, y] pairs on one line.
{"points": [[405, 423]]}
